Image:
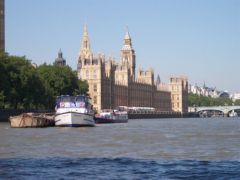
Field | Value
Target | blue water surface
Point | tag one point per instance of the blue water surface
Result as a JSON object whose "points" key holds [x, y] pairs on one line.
{"points": [[119, 168], [140, 149]]}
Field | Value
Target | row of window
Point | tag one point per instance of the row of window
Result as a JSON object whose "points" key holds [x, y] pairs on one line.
{"points": [[175, 97], [88, 74], [175, 105], [176, 88]]}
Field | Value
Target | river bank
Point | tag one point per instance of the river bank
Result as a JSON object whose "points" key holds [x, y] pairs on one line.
{"points": [[6, 113]]}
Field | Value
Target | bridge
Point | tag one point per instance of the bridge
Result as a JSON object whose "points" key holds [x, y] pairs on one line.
{"points": [[216, 110]]}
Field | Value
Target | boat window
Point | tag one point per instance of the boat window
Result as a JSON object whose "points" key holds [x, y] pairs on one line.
{"points": [[72, 102], [67, 99], [67, 102], [80, 99]]}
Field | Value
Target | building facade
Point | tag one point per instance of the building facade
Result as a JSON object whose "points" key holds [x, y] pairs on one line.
{"points": [[113, 84], [207, 91], [179, 93], [2, 25], [235, 96]]}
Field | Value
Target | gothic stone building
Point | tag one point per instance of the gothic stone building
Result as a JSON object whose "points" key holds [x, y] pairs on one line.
{"points": [[113, 84]]}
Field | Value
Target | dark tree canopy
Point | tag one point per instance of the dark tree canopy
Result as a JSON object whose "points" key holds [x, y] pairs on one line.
{"points": [[196, 100], [24, 86], [237, 102]]}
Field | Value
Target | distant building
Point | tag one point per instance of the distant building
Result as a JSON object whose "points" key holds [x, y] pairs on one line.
{"points": [[2, 25], [207, 91], [113, 84], [235, 96], [203, 91], [60, 60]]}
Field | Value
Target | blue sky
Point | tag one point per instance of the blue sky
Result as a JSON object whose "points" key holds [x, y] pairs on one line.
{"points": [[197, 38]]}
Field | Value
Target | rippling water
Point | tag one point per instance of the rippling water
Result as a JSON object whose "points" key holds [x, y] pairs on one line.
{"points": [[140, 149]]}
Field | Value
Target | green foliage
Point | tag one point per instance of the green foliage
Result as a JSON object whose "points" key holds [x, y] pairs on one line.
{"points": [[237, 102], [59, 80], [196, 100], [24, 86], [83, 87], [11, 85], [1, 99]]}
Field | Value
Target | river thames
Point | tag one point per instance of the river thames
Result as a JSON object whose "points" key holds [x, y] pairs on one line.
{"points": [[140, 149]]}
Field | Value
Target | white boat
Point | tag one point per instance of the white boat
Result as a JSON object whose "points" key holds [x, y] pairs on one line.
{"points": [[111, 116], [233, 114], [74, 111]]}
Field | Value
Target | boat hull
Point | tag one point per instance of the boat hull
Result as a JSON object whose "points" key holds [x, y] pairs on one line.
{"points": [[74, 119], [99, 120]]}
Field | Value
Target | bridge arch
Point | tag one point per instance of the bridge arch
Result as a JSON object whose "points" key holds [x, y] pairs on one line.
{"points": [[211, 113], [237, 110], [225, 109], [224, 95]]}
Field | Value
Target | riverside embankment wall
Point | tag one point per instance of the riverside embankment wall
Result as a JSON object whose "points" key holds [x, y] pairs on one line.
{"points": [[158, 115]]}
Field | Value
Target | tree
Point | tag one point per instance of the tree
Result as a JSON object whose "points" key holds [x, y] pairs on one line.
{"points": [[196, 100], [11, 84], [237, 102], [32, 95], [4, 80], [82, 87], [24, 86], [20, 85], [1, 100], [60, 80]]}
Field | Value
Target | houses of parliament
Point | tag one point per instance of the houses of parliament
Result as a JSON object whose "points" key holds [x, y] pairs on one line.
{"points": [[113, 84]]}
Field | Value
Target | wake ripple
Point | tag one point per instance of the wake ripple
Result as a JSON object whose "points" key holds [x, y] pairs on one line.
{"points": [[118, 168]]}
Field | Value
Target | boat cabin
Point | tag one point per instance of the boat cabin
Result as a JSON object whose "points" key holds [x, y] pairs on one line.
{"points": [[80, 101]]}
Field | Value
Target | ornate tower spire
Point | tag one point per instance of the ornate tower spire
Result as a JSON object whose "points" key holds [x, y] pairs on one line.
{"points": [[85, 52], [158, 80], [127, 41], [128, 54]]}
